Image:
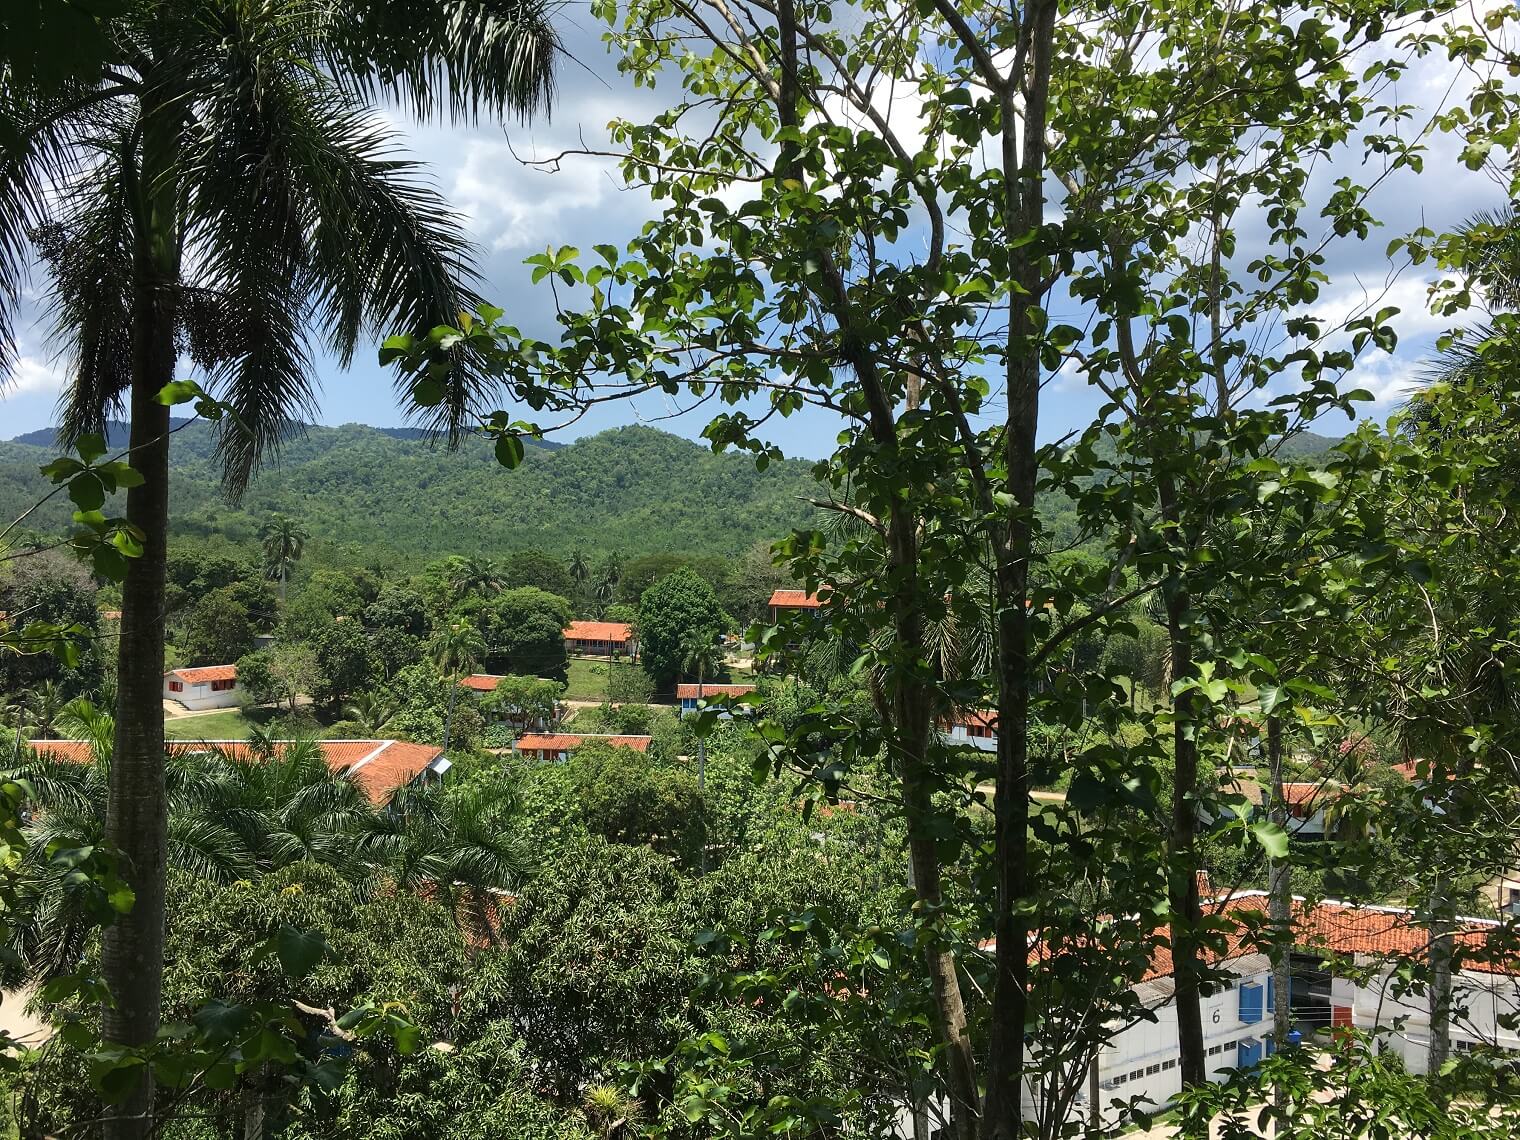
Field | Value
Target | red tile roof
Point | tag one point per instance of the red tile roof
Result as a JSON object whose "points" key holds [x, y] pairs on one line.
{"points": [[481, 682], [205, 673], [689, 692], [566, 741], [975, 718], [795, 599], [395, 765], [1340, 928], [379, 767], [598, 631]]}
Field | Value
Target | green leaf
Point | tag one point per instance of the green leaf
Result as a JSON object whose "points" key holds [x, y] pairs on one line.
{"points": [[509, 451], [179, 392], [299, 951], [1273, 839], [91, 446], [87, 491]]}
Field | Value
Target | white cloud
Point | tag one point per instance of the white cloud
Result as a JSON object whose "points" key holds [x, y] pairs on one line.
{"points": [[32, 376], [513, 206]]}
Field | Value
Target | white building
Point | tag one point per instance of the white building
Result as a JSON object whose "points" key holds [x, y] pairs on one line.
{"points": [[691, 697], [206, 687], [1142, 1059], [976, 728]]}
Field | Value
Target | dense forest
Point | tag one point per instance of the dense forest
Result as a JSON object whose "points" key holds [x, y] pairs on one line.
{"points": [[633, 489]]}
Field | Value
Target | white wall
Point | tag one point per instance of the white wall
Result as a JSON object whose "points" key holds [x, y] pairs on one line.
{"points": [[199, 695]]}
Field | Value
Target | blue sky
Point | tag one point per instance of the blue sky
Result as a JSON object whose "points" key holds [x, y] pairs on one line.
{"points": [[514, 210]]}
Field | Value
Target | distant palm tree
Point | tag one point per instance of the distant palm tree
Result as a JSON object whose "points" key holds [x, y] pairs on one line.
{"points": [[284, 541], [457, 651], [372, 711], [463, 844], [475, 576], [580, 567], [41, 709], [704, 659]]}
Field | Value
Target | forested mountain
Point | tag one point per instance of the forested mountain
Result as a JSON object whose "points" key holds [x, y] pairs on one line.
{"points": [[633, 489]]}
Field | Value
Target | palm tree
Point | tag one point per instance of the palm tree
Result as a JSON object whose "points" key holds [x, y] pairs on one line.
{"points": [[580, 575], [457, 650], [474, 576], [372, 711], [231, 815], [284, 542], [221, 187], [461, 844]]}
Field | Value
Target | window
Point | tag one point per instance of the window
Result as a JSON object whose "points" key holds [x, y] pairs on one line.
{"points": [[1137, 1074], [222, 686], [1152, 1070], [1250, 1003], [1165, 1065], [176, 687], [1119, 1080]]}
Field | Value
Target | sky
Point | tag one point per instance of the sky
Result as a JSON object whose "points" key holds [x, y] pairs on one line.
{"points": [[514, 209]]}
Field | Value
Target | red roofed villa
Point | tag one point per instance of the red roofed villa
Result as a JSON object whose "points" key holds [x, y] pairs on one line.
{"points": [[481, 682], [791, 601], [206, 687], [556, 747], [379, 767], [600, 639]]}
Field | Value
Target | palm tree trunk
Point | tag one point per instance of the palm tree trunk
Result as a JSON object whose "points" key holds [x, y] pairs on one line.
{"points": [[1441, 947], [448, 723], [137, 809]]}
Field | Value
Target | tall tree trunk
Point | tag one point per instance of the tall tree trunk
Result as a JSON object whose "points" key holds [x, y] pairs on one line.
{"points": [[137, 809], [1182, 863], [448, 722], [701, 774], [1441, 929], [1024, 214], [1280, 910]]}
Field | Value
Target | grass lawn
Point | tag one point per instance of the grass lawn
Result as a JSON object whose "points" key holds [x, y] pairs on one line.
{"points": [[587, 679], [227, 724]]}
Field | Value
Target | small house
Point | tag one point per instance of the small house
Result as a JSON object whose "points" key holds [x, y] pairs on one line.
{"points": [[600, 639], [974, 728], [205, 687], [555, 747], [785, 602], [690, 696]]}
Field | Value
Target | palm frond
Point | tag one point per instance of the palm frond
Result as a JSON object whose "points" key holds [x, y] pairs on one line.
{"points": [[88, 250], [466, 57]]}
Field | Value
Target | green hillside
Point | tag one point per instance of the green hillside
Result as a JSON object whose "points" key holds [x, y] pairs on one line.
{"points": [[633, 489]]}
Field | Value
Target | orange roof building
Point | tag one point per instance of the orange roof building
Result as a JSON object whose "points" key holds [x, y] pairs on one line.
{"points": [[791, 601], [599, 638], [555, 747], [203, 687], [379, 767], [688, 700], [481, 682]]}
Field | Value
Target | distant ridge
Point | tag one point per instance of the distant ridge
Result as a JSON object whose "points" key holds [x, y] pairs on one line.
{"points": [[392, 494], [117, 434]]}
